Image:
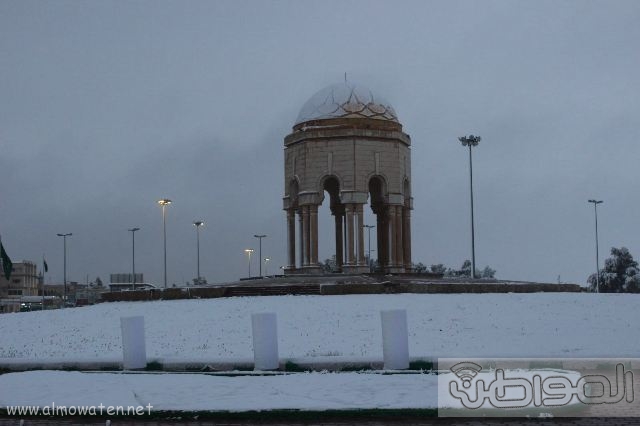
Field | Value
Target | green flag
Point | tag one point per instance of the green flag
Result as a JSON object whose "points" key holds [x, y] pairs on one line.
{"points": [[6, 262]]}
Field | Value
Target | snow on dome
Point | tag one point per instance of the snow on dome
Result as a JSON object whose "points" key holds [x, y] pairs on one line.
{"points": [[346, 100]]}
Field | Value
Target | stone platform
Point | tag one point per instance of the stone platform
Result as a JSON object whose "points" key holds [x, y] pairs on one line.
{"points": [[341, 284]]}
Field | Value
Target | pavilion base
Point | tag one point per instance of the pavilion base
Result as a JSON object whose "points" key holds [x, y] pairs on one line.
{"points": [[396, 270], [355, 269], [311, 269]]}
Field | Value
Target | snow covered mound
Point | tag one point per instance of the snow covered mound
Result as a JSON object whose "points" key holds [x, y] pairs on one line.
{"points": [[440, 325]]}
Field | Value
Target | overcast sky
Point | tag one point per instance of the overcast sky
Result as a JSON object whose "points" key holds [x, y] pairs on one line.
{"points": [[105, 107]]}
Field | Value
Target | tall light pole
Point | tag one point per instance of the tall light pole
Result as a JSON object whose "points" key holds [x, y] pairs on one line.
{"points": [[64, 237], [249, 251], [369, 228], [260, 237], [133, 254], [198, 224], [164, 203], [595, 210], [471, 141]]}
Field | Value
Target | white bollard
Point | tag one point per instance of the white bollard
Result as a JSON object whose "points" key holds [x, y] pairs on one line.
{"points": [[134, 354], [395, 339], [265, 341]]}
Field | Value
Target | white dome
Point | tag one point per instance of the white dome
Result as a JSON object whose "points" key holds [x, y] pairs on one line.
{"points": [[346, 100]]}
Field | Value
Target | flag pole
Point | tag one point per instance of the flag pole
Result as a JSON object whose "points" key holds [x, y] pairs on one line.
{"points": [[42, 278]]}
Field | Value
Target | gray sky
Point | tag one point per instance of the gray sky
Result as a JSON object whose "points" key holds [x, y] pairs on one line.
{"points": [[106, 107]]}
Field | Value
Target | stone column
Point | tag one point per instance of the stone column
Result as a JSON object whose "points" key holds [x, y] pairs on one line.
{"points": [[399, 245], [306, 236], [391, 230], [313, 231], [406, 233], [349, 215], [360, 212], [339, 243], [301, 236], [344, 237], [381, 238], [291, 238]]}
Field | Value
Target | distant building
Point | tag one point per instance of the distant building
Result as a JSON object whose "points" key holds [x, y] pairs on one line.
{"points": [[125, 282], [24, 282], [77, 294]]}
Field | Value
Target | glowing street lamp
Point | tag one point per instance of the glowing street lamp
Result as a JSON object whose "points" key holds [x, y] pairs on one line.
{"points": [[471, 141], [595, 210], [164, 203], [266, 262], [369, 228], [64, 237], [249, 251], [198, 224], [133, 251], [260, 237]]}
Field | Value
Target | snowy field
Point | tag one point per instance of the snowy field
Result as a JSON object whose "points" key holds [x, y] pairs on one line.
{"points": [[198, 392], [440, 325]]}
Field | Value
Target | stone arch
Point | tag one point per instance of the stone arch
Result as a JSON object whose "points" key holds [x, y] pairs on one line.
{"points": [[332, 185], [377, 189]]}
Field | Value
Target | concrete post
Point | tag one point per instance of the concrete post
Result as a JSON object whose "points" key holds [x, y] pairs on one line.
{"points": [[265, 341], [134, 353], [395, 339]]}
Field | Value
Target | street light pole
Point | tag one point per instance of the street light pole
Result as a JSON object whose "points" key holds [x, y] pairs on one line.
{"points": [[266, 264], [260, 237], [369, 227], [133, 254], [198, 224], [164, 203], [64, 237], [249, 251], [471, 141], [595, 211]]}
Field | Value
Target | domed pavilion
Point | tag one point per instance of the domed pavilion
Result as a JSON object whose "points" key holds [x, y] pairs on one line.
{"points": [[348, 142]]}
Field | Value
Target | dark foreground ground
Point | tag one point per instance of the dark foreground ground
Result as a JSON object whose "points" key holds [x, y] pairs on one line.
{"points": [[373, 421]]}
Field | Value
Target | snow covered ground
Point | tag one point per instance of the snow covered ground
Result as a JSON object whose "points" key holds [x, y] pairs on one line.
{"points": [[564, 325], [440, 325], [198, 392]]}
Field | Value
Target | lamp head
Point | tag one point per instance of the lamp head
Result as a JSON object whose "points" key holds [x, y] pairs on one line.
{"points": [[470, 140], [164, 202]]}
